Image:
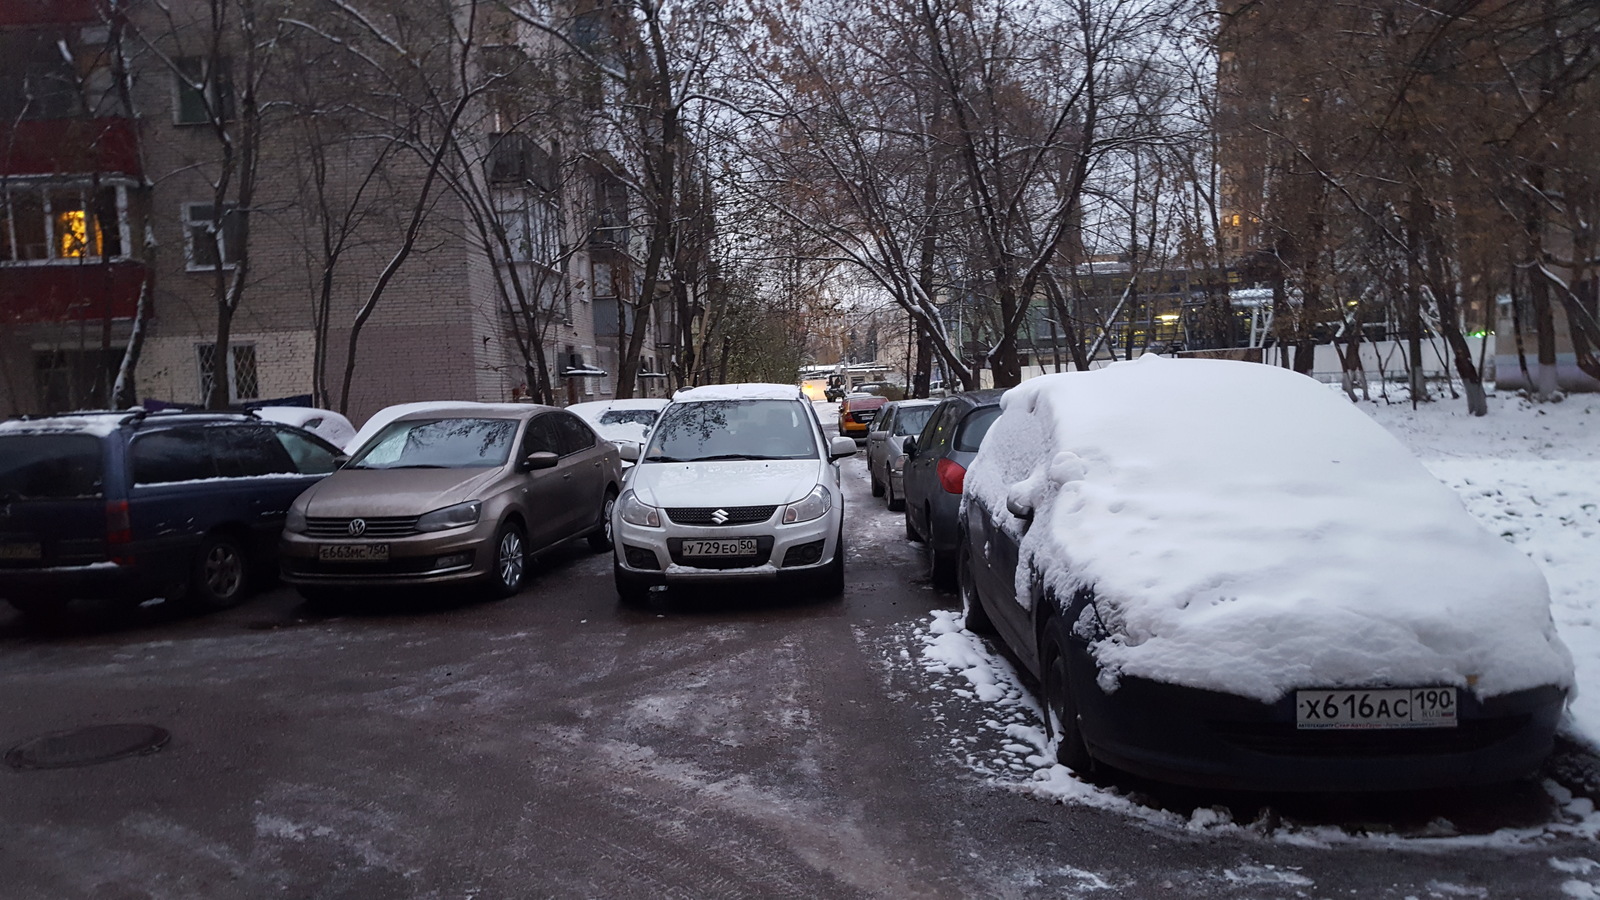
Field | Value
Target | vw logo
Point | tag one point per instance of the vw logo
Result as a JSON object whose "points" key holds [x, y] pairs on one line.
{"points": [[720, 516], [357, 527]]}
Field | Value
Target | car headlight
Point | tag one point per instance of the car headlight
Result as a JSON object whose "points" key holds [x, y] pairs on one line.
{"points": [[636, 512], [295, 521], [814, 506], [451, 516]]}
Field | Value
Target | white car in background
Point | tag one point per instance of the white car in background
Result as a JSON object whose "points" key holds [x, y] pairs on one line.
{"points": [[324, 423], [736, 484], [621, 421]]}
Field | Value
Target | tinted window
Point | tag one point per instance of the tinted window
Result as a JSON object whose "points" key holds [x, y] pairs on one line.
{"points": [[938, 427], [49, 466], [732, 429], [574, 435], [913, 420], [310, 457], [543, 437], [884, 421], [176, 454], [975, 427], [243, 451], [439, 444]]}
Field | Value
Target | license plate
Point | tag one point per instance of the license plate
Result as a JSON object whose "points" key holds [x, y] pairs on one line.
{"points": [[21, 551], [733, 547], [1433, 707], [353, 552]]}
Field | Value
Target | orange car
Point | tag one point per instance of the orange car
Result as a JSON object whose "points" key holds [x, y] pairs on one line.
{"points": [[856, 412]]}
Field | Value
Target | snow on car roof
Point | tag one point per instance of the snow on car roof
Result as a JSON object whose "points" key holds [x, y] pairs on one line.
{"points": [[749, 391], [93, 424], [1247, 530]]}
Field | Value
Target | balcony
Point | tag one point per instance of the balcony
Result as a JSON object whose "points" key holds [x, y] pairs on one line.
{"points": [[34, 13], [70, 292]]}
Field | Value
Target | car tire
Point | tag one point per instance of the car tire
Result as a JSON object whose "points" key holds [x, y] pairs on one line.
{"points": [[975, 617], [896, 503], [630, 590], [510, 567], [911, 530], [832, 581], [877, 486], [220, 576], [942, 566], [600, 539], [1061, 710]]}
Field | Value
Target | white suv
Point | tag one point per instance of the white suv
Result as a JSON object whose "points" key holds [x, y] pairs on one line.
{"points": [[736, 483]]}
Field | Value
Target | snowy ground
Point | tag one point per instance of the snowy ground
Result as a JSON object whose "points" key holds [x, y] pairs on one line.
{"points": [[1529, 472]]}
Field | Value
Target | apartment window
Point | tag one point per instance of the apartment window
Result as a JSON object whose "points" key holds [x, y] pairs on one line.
{"points": [[211, 241], [44, 223], [243, 384], [532, 227], [514, 158], [200, 93]]}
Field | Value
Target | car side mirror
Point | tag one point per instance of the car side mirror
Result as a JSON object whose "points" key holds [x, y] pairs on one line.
{"points": [[539, 459], [1019, 507], [628, 450], [840, 447], [909, 446]]}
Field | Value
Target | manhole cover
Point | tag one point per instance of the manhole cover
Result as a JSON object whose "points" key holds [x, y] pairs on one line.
{"points": [[86, 746]]}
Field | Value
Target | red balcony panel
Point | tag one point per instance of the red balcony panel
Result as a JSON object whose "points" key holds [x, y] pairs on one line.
{"points": [[69, 147], [49, 12], [70, 292]]}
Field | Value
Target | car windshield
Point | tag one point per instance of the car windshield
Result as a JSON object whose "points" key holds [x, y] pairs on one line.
{"points": [[732, 429], [439, 444], [49, 466], [910, 421], [628, 417]]}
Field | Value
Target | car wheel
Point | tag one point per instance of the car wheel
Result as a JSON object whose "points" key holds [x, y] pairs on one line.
{"points": [[600, 539], [832, 584], [877, 486], [943, 565], [510, 560], [896, 503], [221, 573], [975, 616], [911, 530], [630, 591], [1061, 711]]}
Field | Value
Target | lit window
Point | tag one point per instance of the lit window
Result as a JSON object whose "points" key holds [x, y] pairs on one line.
{"points": [[44, 223]]}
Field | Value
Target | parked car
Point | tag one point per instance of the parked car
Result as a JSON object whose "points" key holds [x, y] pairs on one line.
{"points": [[1223, 574], [130, 505], [620, 420], [453, 494], [324, 423], [886, 460], [736, 484], [936, 463], [856, 412]]}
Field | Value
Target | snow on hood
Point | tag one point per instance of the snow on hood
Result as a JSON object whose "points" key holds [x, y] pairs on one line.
{"points": [[1247, 530], [754, 482], [751, 391]]}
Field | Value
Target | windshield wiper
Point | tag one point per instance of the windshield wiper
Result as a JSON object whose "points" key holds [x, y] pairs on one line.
{"points": [[729, 456], [419, 466], [664, 459]]}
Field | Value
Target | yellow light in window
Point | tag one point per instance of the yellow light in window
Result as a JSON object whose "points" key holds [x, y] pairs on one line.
{"points": [[72, 235], [1169, 317]]}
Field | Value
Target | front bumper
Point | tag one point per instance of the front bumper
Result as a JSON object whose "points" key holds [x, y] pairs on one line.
{"points": [[413, 559], [1213, 740], [784, 552]]}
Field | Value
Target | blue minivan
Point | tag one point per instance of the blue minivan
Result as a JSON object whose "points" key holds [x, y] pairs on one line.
{"points": [[125, 506]]}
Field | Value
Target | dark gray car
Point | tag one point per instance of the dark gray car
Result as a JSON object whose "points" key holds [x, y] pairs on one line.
{"points": [[936, 467], [886, 458]]}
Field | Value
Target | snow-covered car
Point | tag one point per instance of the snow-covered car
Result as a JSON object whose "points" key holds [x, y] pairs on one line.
{"points": [[324, 423], [1224, 574], [886, 458], [621, 420], [737, 484], [461, 494]]}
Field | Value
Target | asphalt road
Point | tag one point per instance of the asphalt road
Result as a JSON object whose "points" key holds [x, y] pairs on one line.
{"points": [[556, 744]]}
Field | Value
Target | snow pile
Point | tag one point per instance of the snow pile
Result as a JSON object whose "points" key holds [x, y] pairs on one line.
{"points": [[1247, 530], [750, 391]]}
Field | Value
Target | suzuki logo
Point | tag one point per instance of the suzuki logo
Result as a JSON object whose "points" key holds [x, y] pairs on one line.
{"points": [[358, 527], [720, 516]]}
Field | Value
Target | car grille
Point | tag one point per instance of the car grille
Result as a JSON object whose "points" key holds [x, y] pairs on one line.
{"points": [[377, 527], [737, 515], [1284, 739]]}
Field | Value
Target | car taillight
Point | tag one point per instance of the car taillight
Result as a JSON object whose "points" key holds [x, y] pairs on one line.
{"points": [[119, 533], [952, 475]]}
